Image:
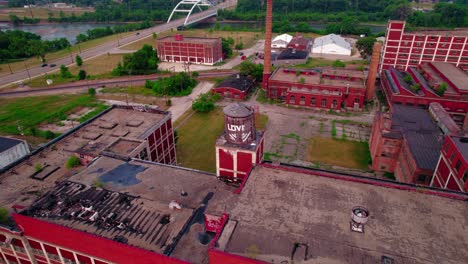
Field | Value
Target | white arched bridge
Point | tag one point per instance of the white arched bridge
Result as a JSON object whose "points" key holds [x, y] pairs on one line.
{"points": [[205, 9]]}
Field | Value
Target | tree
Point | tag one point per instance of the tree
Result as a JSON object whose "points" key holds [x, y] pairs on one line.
{"points": [[143, 61], [252, 69], [365, 46], [92, 91], [72, 162], [64, 72], [239, 46], [81, 75], [204, 103], [226, 47], [78, 60]]}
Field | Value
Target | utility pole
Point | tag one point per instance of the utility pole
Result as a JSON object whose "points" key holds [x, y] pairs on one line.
{"points": [[11, 72], [27, 70]]}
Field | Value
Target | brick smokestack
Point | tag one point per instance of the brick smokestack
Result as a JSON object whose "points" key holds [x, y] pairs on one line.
{"points": [[374, 65], [267, 57]]}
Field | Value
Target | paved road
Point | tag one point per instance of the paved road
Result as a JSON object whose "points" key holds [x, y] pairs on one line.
{"points": [[107, 47]]}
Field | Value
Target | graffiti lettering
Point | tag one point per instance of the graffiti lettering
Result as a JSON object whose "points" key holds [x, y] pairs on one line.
{"points": [[235, 127]]}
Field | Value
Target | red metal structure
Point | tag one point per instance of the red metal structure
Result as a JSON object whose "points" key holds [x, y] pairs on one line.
{"points": [[327, 88], [178, 48], [404, 49]]}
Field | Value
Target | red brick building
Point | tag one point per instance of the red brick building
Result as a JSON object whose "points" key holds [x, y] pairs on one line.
{"points": [[178, 48], [327, 88], [300, 43], [127, 132], [429, 77], [406, 141], [235, 87], [404, 49], [452, 166]]}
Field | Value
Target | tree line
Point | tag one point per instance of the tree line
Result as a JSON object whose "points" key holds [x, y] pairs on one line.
{"points": [[17, 44]]}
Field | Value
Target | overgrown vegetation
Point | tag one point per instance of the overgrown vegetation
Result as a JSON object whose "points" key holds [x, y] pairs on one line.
{"points": [[441, 89], [143, 61], [72, 162], [365, 46], [24, 115], [338, 64], [252, 69], [4, 216], [205, 102], [106, 31], [180, 84]]}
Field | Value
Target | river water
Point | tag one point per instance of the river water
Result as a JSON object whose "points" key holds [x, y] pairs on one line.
{"points": [[54, 31]]}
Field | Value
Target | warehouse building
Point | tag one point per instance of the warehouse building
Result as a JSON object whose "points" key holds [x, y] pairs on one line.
{"points": [[236, 87], [194, 50], [325, 88], [331, 44], [281, 41]]}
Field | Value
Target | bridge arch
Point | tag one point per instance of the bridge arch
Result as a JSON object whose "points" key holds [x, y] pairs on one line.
{"points": [[187, 6]]}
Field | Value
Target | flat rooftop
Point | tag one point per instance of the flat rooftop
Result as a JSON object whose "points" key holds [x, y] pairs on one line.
{"points": [[454, 74], [278, 208], [18, 186], [321, 76], [132, 204], [189, 39]]}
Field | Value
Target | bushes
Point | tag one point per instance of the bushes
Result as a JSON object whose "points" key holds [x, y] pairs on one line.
{"points": [[180, 84], [143, 61], [81, 75], [205, 102], [72, 162], [64, 72]]}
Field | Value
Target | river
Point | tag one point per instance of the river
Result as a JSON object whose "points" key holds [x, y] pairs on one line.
{"points": [[54, 31]]}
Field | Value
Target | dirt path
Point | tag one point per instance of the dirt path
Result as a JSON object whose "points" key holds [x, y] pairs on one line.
{"points": [[182, 104]]}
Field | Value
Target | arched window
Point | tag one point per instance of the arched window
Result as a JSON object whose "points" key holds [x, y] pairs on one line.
{"points": [[313, 101], [302, 100], [324, 103], [334, 104], [292, 99]]}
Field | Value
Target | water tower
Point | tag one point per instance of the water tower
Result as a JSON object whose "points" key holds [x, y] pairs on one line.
{"points": [[241, 145]]}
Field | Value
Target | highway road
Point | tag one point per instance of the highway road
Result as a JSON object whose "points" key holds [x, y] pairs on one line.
{"points": [[105, 48]]}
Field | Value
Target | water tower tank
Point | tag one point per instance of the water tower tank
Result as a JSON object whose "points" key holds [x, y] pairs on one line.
{"points": [[239, 124]]}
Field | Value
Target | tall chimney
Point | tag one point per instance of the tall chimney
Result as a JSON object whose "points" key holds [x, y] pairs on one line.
{"points": [[374, 65], [267, 57]]}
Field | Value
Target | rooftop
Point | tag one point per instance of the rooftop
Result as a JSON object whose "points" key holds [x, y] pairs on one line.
{"points": [[297, 207], [297, 41], [454, 74], [321, 76], [7, 143], [239, 82], [21, 184], [290, 54], [422, 134], [190, 39], [133, 208], [332, 39]]}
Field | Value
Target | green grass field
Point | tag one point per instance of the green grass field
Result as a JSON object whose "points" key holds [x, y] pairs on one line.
{"points": [[348, 154], [41, 13], [197, 138], [30, 112]]}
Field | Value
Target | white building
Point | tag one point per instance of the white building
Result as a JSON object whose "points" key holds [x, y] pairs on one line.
{"points": [[331, 44], [281, 41], [12, 150]]}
